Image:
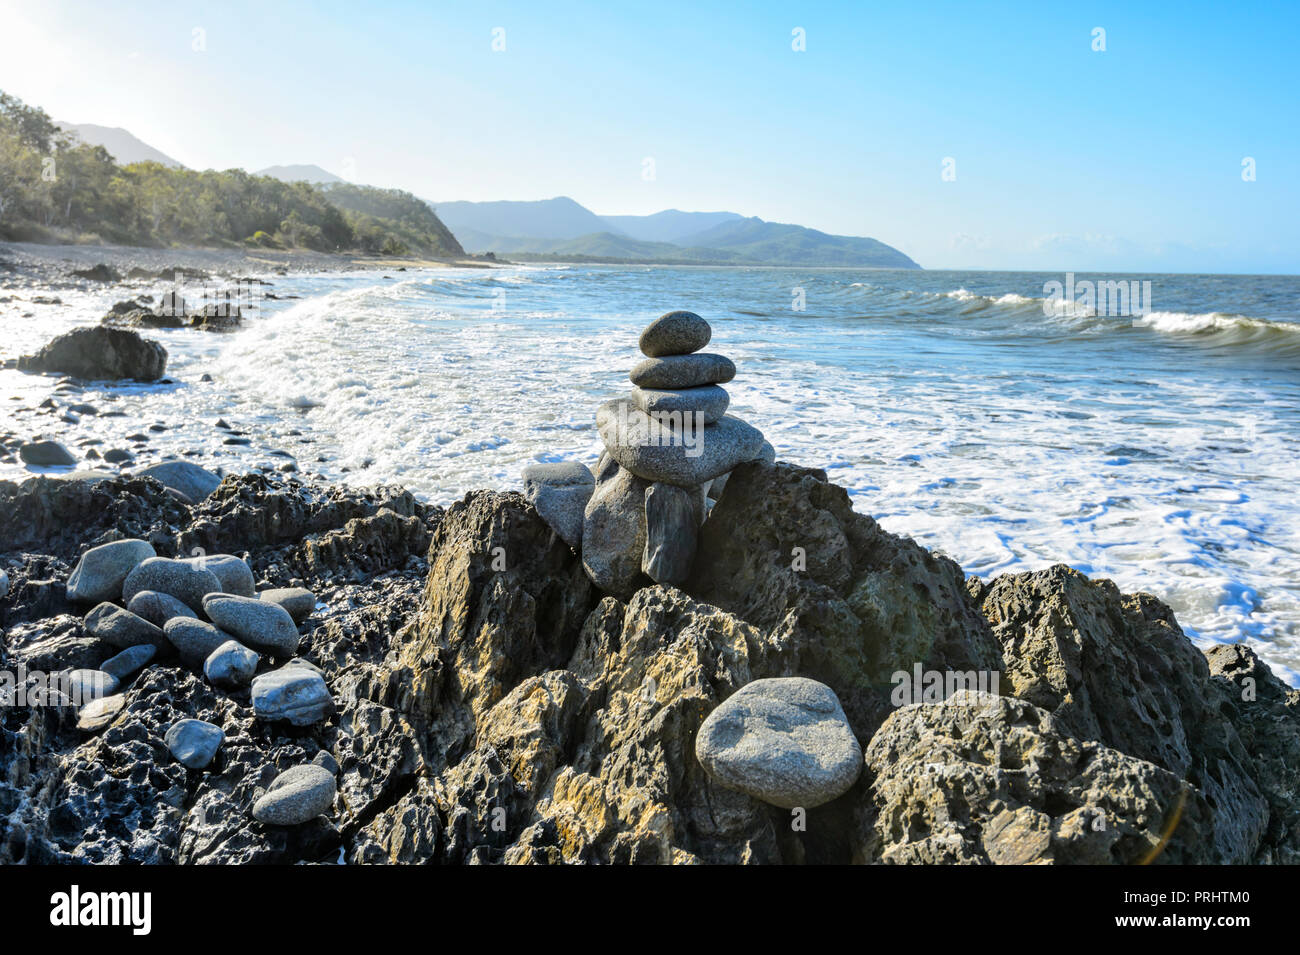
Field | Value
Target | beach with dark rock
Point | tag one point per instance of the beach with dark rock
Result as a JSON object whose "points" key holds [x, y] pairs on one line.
{"points": [[460, 689]]}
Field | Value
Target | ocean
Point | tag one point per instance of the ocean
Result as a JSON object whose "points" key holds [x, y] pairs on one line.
{"points": [[972, 411]]}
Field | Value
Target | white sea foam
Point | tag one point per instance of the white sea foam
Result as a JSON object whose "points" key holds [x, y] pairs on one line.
{"points": [[1102, 452]]}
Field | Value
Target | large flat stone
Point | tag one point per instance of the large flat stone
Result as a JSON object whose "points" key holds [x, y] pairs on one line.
{"points": [[687, 457], [708, 401], [785, 741], [683, 371], [297, 694]]}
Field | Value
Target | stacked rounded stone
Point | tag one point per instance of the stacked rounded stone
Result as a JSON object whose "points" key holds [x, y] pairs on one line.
{"points": [[560, 492], [235, 575], [664, 444]]}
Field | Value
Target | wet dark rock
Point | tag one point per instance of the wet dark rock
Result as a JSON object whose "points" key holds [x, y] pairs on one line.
{"points": [[46, 454], [100, 353]]}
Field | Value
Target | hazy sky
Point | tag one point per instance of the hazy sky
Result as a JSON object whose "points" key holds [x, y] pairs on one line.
{"points": [[1064, 157]]}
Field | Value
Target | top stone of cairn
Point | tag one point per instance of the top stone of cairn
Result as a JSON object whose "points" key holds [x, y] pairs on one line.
{"points": [[676, 333]]}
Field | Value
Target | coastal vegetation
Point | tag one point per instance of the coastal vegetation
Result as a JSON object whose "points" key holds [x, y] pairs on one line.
{"points": [[54, 188]]}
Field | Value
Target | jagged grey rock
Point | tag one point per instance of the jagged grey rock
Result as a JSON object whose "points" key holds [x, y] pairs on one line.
{"points": [[785, 741], [297, 694], [981, 778], [194, 743], [101, 571], [672, 522], [259, 624], [686, 457], [235, 575], [230, 665], [683, 371], [708, 401], [613, 529], [298, 601], [189, 479], [129, 660], [194, 639], [122, 628], [158, 608], [297, 795], [675, 333], [187, 582], [560, 492]]}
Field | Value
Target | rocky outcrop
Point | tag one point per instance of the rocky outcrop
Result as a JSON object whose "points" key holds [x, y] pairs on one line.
{"points": [[849, 603], [993, 779], [100, 353], [257, 513], [1266, 715], [487, 704], [1116, 668]]}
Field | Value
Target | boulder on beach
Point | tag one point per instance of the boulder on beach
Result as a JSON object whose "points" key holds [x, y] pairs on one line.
{"points": [[100, 353], [294, 693], [194, 743], [49, 454]]}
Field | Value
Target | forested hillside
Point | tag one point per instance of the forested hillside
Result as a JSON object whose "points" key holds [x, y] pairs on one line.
{"points": [[55, 189]]}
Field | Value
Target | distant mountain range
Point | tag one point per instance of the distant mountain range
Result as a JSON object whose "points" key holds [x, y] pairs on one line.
{"points": [[120, 144], [563, 229], [300, 173]]}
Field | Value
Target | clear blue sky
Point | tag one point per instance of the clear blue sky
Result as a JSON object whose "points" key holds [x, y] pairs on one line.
{"points": [[1065, 158]]}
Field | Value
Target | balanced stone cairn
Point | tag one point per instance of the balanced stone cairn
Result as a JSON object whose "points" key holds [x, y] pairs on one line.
{"points": [[665, 443]]}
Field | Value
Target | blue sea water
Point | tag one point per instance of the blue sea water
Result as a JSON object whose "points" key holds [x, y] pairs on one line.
{"points": [[959, 408]]}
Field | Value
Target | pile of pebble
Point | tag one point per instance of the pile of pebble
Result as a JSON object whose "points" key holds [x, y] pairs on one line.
{"points": [[668, 448], [204, 613]]}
